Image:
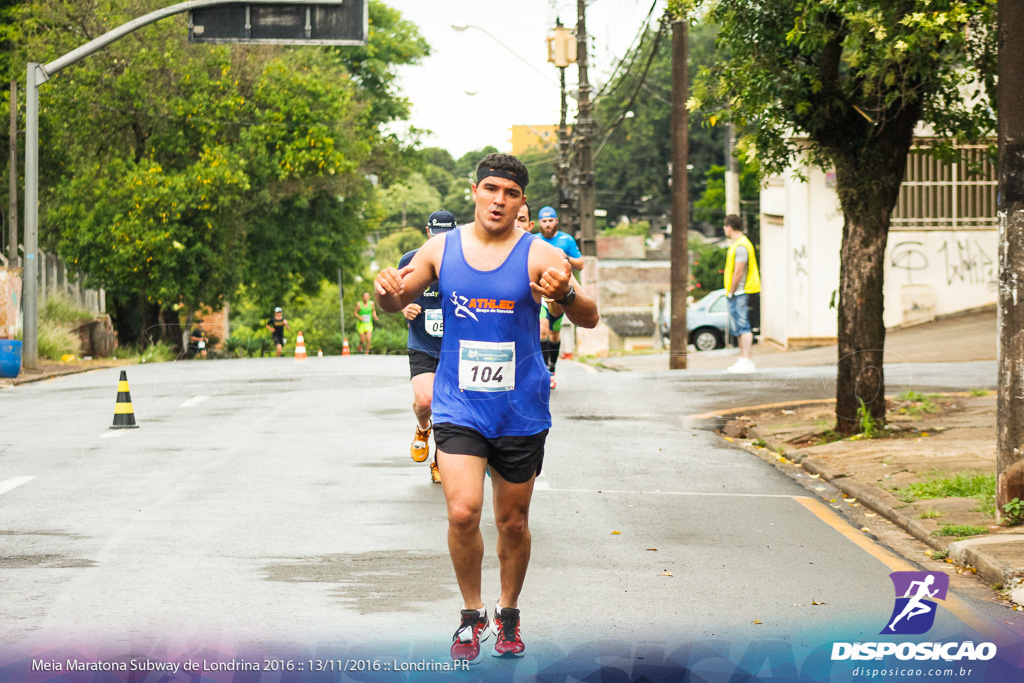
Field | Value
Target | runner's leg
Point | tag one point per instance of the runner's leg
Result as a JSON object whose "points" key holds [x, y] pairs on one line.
{"points": [[422, 397], [462, 477], [512, 517]]}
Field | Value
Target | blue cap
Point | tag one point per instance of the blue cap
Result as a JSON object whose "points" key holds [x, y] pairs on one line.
{"points": [[547, 212], [440, 221]]}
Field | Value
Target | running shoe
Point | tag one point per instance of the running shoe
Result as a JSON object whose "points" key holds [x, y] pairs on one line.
{"points": [[435, 474], [421, 444], [471, 632], [505, 625], [552, 380]]}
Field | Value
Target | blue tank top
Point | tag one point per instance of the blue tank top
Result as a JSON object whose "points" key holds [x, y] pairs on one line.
{"points": [[425, 330], [491, 376]]}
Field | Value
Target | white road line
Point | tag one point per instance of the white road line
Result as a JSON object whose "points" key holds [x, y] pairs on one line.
{"points": [[13, 482], [674, 493], [194, 401], [112, 435]]}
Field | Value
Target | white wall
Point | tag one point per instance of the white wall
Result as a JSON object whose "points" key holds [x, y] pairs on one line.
{"points": [[927, 272]]}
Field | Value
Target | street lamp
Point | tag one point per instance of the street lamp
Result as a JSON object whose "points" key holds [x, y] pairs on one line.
{"points": [[460, 29]]}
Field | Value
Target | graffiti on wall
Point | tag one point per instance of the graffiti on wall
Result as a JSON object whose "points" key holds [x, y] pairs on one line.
{"points": [[967, 262]]}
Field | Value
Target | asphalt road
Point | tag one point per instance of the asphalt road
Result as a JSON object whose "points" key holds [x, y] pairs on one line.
{"points": [[270, 507]]}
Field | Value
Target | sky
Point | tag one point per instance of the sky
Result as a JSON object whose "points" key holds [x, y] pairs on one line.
{"points": [[514, 83]]}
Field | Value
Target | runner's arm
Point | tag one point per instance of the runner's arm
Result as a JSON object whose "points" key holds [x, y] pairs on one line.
{"points": [[552, 277], [395, 289]]}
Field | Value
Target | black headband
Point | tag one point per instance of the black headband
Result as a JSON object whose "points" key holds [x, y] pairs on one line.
{"points": [[517, 179]]}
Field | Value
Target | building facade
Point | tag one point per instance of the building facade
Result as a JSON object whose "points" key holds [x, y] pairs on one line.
{"points": [[940, 258]]}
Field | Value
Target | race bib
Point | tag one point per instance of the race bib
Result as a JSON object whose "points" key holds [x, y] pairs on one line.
{"points": [[487, 366], [368, 317], [433, 319]]}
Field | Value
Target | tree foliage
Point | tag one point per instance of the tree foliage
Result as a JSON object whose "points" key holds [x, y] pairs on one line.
{"points": [[186, 171]]}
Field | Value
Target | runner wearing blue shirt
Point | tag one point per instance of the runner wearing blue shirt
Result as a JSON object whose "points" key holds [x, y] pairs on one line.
{"points": [[551, 325], [490, 405], [424, 347]]}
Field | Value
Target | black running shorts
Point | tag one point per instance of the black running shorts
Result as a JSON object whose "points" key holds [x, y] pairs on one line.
{"points": [[420, 363], [515, 458]]}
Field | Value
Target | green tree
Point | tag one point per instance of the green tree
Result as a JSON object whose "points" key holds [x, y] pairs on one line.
{"points": [[175, 173], [854, 79]]}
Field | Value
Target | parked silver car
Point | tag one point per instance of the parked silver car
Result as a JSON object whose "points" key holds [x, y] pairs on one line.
{"points": [[706, 320]]}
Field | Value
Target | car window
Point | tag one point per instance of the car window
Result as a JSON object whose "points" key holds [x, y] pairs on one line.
{"points": [[718, 306]]}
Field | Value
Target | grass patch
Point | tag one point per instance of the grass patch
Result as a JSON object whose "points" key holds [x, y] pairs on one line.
{"points": [[940, 554], [929, 514], [154, 353], [760, 443], [961, 530], [977, 485], [979, 392]]}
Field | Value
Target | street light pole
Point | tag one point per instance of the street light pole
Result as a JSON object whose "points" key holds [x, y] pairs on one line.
{"points": [[515, 54]]}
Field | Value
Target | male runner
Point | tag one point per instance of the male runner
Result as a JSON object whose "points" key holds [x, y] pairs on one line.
{"points": [[491, 390], [277, 326], [550, 324], [366, 314], [425, 329]]}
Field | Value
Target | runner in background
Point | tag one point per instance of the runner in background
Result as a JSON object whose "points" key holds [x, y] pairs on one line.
{"points": [[424, 347], [366, 313], [551, 324]]}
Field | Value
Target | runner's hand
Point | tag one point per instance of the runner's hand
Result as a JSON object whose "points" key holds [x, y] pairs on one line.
{"points": [[554, 282], [390, 281], [411, 311]]}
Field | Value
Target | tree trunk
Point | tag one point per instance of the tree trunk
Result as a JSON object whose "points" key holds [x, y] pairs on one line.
{"points": [[1010, 403], [868, 185], [861, 335]]}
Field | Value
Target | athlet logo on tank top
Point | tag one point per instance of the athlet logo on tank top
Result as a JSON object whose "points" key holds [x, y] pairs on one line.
{"points": [[464, 306]]}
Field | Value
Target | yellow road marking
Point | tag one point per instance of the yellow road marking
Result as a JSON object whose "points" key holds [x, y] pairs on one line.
{"points": [[961, 609]]}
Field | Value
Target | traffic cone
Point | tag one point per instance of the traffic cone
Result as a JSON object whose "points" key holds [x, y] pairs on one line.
{"points": [[124, 414], [319, 353], [344, 348], [300, 348]]}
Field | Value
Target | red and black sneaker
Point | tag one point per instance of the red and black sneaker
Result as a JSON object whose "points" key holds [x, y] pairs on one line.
{"points": [[471, 632], [506, 627]]}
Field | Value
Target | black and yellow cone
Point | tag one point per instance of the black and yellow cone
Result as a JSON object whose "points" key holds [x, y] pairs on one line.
{"points": [[124, 414]]}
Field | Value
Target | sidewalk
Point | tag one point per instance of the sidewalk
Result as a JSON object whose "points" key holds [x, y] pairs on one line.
{"points": [[967, 337], [46, 369]]}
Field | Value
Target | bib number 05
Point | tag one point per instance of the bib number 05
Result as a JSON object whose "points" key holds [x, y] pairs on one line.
{"points": [[487, 366]]}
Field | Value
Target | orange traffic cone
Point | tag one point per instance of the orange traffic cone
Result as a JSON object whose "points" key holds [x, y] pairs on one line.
{"points": [[319, 353], [124, 414], [300, 348], [344, 348]]}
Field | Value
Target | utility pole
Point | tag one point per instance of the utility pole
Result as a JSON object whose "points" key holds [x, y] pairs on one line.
{"points": [[562, 52], [585, 127], [732, 174], [12, 208], [679, 335], [1010, 317]]}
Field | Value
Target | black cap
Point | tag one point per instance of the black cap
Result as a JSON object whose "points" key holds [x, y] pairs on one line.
{"points": [[440, 221]]}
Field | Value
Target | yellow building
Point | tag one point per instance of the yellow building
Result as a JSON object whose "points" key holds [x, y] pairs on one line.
{"points": [[526, 137]]}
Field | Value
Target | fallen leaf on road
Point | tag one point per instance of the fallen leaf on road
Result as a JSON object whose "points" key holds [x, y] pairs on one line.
{"points": [[654, 549], [728, 438], [756, 621], [814, 476], [864, 528], [815, 602], [924, 433], [797, 604], [870, 514], [831, 500], [789, 412], [666, 573], [928, 553], [616, 533], [851, 501]]}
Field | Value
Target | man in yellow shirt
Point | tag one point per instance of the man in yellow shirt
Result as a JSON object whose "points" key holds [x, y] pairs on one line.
{"points": [[742, 284]]}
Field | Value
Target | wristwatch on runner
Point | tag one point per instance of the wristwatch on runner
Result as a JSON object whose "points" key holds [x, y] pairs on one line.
{"points": [[569, 297]]}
